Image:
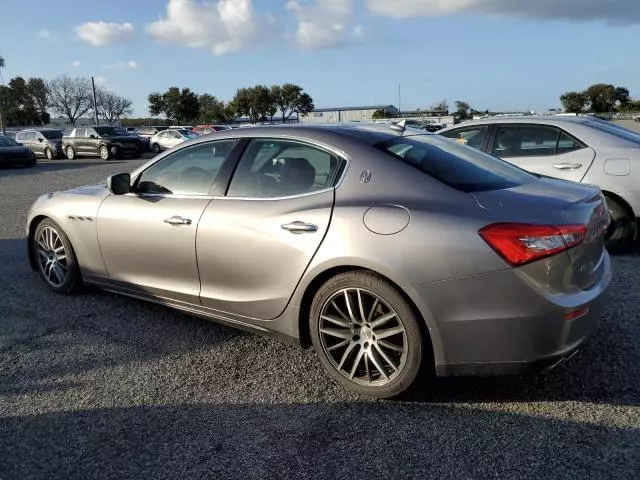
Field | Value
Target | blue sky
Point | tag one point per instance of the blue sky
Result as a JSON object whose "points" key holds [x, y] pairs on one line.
{"points": [[495, 54]]}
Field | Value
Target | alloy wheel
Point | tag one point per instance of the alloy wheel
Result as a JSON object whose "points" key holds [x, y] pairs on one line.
{"points": [[70, 153], [104, 153], [363, 337], [48, 153], [52, 256]]}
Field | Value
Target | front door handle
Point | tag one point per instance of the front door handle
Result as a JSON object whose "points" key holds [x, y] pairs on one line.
{"points": [[567, 166], [177, 220], [300, 227]]}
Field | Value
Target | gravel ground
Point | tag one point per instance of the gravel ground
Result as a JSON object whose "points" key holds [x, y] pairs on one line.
{"points": [[101, 386]]}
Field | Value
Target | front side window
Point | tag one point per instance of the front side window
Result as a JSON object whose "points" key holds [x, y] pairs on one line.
{"points": [[532, 141], [472, 136], [273, 168], [189, 171], [80, 133], [463, 168], [52, 134]]}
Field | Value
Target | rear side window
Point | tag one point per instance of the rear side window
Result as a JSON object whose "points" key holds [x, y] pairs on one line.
{"points": [[472, 136], [457, 165], [532, 141]]}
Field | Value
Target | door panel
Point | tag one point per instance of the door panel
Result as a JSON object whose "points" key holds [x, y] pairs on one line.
{"points": [[141, 248], [249, 264], [571, 166]]}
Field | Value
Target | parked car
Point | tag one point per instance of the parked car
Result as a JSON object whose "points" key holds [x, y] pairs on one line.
{"points": [[170, 138], [441, 257], [14, 153], [150, 131], [44, 142], [145, 142], [636, 118], [103, 141], [205, 129], [576, 148]]}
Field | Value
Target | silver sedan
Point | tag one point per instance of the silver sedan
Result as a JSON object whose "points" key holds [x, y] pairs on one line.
{"points": [[386, 251], [580, 149]]}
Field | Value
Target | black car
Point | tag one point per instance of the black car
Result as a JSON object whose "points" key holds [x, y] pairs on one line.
{"points": [[45, 142], [102, 141], [14, 153]]}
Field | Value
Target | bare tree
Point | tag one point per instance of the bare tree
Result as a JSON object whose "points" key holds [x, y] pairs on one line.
{"points": [[111, 106], [70, 97]]}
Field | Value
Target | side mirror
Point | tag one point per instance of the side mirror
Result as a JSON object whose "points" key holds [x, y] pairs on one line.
{"points": [[119, 184], [41, 139], [92, 136]]}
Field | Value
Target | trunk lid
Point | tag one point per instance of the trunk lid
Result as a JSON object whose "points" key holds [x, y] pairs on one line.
{"points": [[555, 202]]}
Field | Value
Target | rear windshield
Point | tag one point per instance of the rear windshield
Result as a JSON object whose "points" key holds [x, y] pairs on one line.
{"points": [[459, 166], [614, 129], [52, 134]]}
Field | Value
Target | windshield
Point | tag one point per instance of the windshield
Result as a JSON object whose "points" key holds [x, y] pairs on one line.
{"points": [[110, 131], [52, 134], [614, 129], [7, 142], [459, 166], [187, 133]]}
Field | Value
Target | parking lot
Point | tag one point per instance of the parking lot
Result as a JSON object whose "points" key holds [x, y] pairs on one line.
{"points": [[98, 385]]}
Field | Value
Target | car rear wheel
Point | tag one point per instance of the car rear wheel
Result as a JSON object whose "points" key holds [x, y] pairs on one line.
{"points": [[55, 257], [71, 154], [104, 152], [366, 335], [621, 231], [156, 148], [48, 153]]}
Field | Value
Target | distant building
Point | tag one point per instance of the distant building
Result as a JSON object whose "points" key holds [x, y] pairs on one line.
{"points": [[346, 114]]}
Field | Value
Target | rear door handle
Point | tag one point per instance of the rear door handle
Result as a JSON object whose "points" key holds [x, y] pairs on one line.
{"points": [[567, 166], [300, 227], [177, 220]]}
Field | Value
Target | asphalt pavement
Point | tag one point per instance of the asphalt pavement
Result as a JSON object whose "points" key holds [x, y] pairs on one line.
{"points": [[101, 386]]}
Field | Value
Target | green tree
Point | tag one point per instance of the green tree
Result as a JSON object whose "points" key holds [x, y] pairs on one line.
{"points": [[290, 98], [175, 104], [70, 97], [463, 110], [441, 105], [379, 114], [212, 110], [621, 94], [37, 88], [111, 106], [601, 98], [573, 102], [256, 102]]}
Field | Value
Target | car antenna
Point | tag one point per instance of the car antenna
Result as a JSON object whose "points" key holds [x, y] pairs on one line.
{"points": [[400, 126]]}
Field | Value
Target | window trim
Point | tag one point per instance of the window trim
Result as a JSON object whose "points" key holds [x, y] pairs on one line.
{"points": [[497, 126], [340, 172], [485, 142]]}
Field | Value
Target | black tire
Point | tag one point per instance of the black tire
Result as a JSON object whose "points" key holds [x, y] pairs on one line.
{"points": [[406, 371], [621, 232], [48, 153], [156, 148], [104, 152], [70, 152], [73, 278]]}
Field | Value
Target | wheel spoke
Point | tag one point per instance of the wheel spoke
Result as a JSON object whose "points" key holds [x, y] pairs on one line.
{"points": [[59, 249], [356, 363], [373, 310], [366, 366], [348, 302], [362, 317], [389, 332], [339, 344], [382, 320], [385, 358], [375, 364], [61, 257], [336, 321], [42, 253], [333, 304], [334, 332], [390, 346], [50, 238], [346, 354], [49, 271], [57, 273]]}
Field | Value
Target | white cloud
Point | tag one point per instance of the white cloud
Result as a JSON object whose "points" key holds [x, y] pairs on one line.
{"points": [[103, 33], [324, 23], [615, 11], [131, 64], [224, 26], [47, 35], [77, 63]]}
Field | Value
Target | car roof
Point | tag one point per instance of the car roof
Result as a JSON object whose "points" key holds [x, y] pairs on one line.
{"points": [[533, 119]]}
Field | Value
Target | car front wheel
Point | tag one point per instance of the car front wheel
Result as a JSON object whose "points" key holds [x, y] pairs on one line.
{"points": [[71, 154], [366, 335], [48, 153], [55, 257], [156, 148], [621, 231], [104, 152]]}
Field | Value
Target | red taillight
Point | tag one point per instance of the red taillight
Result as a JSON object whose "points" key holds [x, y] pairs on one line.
{"points": [[520, 243]]}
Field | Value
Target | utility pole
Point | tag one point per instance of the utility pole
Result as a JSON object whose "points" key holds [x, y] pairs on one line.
{"points": [[2, 126], [95, 104], [399, 100]]}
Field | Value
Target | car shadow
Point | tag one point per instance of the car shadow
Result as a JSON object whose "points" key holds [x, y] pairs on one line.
{"points": [[324, 441]]}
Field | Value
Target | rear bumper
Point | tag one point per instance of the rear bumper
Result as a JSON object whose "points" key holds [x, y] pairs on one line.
{"points": [[498, 324]]}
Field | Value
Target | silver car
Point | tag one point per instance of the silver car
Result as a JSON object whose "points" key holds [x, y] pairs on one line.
{"points": [[170, 138], [386, 251], [580, 149]]}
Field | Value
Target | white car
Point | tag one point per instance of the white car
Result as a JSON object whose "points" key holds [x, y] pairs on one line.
{"points": [[170, 138]]}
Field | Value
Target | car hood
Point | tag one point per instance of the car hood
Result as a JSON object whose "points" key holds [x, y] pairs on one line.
{"points": [[99, 190], [18, 150]]}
